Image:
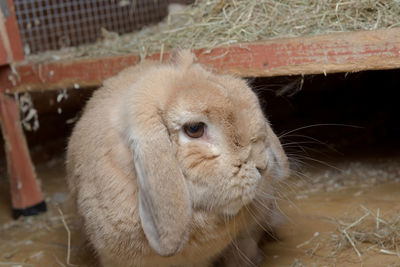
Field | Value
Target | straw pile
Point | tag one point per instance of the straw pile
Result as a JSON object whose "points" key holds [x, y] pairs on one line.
{"points": [[380, 234], [366, 231], [212, 23]]}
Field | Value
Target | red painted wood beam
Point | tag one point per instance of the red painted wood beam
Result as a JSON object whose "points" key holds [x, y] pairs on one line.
{"points": [[342, 52], [25, 193], [10, 39]]}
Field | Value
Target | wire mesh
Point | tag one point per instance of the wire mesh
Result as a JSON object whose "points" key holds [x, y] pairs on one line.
{"points": [[53, 24]]}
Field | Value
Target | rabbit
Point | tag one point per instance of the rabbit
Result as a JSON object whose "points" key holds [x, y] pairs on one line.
{"points": [[174, 165]]}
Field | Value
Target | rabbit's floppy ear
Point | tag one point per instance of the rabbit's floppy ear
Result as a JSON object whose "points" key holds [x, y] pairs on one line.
{"points": [[276, 153], [164, 204]]}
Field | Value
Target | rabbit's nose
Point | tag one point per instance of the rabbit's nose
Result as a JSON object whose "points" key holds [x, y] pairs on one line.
{"points": [[261, 163]]}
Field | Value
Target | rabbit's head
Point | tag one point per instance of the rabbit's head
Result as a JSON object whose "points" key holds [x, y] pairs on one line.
{"points": [[200, 141]]}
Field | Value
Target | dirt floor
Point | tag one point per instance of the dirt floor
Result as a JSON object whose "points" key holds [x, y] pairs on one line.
{"points": [[347, 214]]}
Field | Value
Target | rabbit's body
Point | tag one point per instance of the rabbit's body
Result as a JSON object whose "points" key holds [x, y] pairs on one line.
{"points": [[197, 215]]}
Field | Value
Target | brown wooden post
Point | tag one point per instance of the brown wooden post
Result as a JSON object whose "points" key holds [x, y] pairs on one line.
{"points": [[26, 196], [11, 48], [25, 192]]}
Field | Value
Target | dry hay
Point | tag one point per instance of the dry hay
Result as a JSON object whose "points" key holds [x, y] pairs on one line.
{"points": [[371, 232], [380, 234], [26, 231], [363, 231], [212, 23]]}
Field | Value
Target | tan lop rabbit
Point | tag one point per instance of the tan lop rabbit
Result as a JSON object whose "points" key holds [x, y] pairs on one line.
{"points": [[172, 165]]}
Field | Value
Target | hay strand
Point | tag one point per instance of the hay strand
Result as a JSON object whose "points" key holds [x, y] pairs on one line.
{"points": [[352, 243], [69, 237]]}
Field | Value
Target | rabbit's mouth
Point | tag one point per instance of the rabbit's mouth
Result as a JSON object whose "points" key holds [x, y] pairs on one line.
{"points": [[243, 193], [234, 206], [225, 194]]}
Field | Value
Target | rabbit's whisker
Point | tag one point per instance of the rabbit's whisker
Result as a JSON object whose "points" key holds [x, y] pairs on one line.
{"points": [[305, 137], [322, 162], [269, 230], [299, 143], [233, 242], [240, 252], [266, 196], [318, 125]]}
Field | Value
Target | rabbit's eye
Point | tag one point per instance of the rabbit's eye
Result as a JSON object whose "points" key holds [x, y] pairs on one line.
{"points": [[194, 130]]}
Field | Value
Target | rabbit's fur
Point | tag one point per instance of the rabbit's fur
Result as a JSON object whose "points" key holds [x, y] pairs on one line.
{"points": [[149, 194]]}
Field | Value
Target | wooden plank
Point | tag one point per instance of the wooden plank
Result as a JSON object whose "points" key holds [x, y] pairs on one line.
{"points": [[10, 39], [4, 58], [5, 49], [341, 52], [25, 191]]}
